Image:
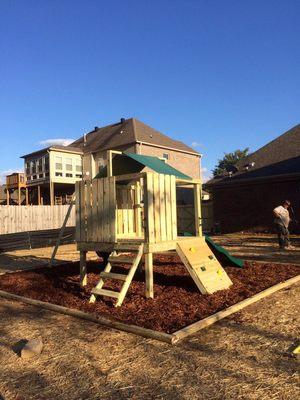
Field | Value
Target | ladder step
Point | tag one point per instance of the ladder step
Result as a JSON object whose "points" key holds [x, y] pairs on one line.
{"points": [[121, 260], [105, 292], [111, 275], [127, 246]]}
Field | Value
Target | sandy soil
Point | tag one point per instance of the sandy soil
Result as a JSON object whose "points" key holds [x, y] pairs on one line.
{"points": [[244, 357]]}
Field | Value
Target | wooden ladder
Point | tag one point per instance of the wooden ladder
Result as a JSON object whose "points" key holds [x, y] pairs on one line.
{"points": [[117, 258]]}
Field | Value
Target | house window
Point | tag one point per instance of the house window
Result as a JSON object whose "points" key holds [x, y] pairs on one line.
{"points": [[58, 174], [41, 176], [39, 165], [166, 156], [69, 165], [78, 165], [46, 163], [33, 177], [78, 175], [27, 167], [69, 175], [58, 163]]}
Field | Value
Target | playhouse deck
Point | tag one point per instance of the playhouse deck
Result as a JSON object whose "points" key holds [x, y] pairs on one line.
{"points": [[137, 214]]}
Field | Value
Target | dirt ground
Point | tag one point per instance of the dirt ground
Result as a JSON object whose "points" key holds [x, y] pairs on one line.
{"points": [[246, 356], [259, 247], [18, 260]]}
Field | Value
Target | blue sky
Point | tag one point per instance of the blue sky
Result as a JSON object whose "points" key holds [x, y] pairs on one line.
{"points": [[220, 74]]}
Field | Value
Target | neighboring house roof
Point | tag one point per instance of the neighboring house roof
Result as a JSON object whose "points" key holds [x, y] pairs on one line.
{"points": [[279, 157], [67, 149], [130, 163], [126, 132]]}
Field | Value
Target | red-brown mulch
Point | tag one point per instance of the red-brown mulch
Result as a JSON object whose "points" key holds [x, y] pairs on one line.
{"points": [[177, 301]]}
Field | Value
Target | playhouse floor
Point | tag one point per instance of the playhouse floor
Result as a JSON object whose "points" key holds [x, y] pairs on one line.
{"points": [[177, 301]]}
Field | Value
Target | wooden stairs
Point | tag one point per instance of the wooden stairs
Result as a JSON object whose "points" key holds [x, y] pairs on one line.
{"points": [[116, 258]]}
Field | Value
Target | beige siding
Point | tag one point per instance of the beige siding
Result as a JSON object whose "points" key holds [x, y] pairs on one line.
{"points": [[187, 163], [64, 179]]}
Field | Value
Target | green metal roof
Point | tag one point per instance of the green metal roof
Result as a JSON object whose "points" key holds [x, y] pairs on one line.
{"points": [[157, 165], [139, 162]]}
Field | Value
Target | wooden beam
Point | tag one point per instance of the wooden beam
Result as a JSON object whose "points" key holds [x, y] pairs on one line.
{"points": [[51, 193], [137, 330], [197, 205], [83, 270], [7, 196], [149, 275], [197, 326], [61, 232], [39, 195], [109, 163], [26, 196]]}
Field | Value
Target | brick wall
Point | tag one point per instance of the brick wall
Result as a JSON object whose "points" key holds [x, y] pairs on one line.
{"points": [[249, 206]]}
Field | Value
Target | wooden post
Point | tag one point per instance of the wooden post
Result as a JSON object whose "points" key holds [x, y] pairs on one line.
{"points": [[83, 270], [19, 190], [61, 232], [197, 205], [137, 210], [51, 193], [149, 275], [39, 195], [7, 195], [26, 195], [109, 163]]}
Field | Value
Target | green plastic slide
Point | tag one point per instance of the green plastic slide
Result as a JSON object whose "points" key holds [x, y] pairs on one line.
{"points": [[223, 254]]}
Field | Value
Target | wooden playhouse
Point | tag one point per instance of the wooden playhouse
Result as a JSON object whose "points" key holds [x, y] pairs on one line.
{"points": [[130, 212]]}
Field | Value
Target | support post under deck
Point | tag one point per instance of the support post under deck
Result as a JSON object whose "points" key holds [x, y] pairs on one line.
{"points": [[83, 270], [149, 275]]}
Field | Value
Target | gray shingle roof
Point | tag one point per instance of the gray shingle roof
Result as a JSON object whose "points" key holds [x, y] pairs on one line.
{"points": [[279, 157], [127, 132]]}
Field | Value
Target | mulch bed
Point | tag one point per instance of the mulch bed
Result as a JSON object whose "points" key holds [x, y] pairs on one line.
{"points": [[177, 301]]}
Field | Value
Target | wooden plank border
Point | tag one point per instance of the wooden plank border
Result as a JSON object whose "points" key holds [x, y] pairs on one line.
{"points": [[137, 330], [203, 323], [173, 338]]}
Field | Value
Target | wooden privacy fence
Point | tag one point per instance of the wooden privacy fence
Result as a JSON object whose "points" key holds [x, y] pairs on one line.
{"points": [[14, 219]]}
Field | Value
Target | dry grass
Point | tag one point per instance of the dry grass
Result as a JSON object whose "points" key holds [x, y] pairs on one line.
{"points": [[246, 357]]}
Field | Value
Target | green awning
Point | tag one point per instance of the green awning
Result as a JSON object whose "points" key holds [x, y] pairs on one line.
{"points": [[123, 164], [157, 165]]}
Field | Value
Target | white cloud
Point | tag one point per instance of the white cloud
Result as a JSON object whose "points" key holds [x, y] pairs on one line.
{"points": [[7, 172], [53, 142], [196, 144], [206, 174]]}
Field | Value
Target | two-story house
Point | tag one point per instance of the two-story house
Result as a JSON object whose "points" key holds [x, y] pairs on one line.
{"points": [[51, 174], [133, 136]]}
